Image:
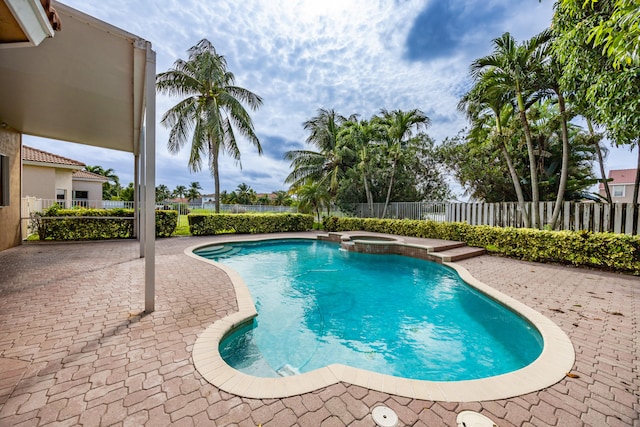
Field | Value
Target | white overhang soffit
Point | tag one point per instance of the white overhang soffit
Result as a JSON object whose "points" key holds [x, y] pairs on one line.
{"points": [[29, 25], [85, 85]]}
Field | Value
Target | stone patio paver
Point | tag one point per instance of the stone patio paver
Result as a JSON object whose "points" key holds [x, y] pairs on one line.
{"points": [[76, 347]]}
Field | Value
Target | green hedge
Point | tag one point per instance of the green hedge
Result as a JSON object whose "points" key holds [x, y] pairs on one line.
{"points": [[166, 223], [96, 224], [607, 251], [208, 224]]}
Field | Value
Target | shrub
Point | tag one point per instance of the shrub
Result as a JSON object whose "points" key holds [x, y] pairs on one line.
{"points": [[608, 251], [166, 223], [56, 223], [208, 224]]}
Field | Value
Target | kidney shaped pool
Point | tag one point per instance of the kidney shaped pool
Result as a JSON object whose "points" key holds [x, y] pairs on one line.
{"points": [[318, 305]]}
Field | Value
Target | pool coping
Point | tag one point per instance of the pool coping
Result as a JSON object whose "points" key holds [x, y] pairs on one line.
{"points": [[555, 361]]}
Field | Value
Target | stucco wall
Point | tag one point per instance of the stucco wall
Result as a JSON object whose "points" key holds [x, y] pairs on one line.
{"points": [[94, 188], [628, 193], [64, 181], [39, 182], [10, 143]]}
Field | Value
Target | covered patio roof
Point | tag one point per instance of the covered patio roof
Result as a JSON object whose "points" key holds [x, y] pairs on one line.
{"points": [[84, 85], [91, 83]]}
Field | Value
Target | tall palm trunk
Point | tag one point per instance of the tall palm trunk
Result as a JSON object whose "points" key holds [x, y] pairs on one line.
{"points": [[535, 195], [391, 180], [564, 172], [514, 174], [216, 177], [636, 185], [367, 192], [603, 176]]}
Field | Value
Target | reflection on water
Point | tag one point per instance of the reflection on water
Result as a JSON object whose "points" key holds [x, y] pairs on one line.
{"points": [[385, 313]]}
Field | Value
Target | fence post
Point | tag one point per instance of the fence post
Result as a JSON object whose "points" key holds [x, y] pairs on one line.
{"points": [[617, 218], [628, 227]]}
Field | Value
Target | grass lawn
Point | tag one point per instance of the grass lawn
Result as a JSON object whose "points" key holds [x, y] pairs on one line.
{"points": [[183, 226]]}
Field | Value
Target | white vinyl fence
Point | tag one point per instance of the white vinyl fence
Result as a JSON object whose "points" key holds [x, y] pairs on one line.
{"points": [[596, 217]]}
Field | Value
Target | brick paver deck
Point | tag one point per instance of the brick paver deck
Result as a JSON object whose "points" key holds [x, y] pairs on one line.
{"points": [[75, 347]]}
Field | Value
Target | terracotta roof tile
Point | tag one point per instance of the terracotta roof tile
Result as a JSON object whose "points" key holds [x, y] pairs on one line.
{"points": [[35, 155], [89, 175]]}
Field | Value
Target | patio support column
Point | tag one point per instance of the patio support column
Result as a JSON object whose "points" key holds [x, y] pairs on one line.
{"points": [[136, 195], [150, 181]]}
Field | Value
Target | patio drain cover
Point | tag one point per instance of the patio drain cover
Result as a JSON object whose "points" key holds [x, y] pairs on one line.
{"points": [[473, 419], [384, 417]]}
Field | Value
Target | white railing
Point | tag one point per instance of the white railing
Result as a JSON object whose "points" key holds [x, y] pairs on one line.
{"points": [[597, 217]]}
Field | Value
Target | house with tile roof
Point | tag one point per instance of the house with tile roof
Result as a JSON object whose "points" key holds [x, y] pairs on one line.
{"points": [[621, 182], [49, 176]]}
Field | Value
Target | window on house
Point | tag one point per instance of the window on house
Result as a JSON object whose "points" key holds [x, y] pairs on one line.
{"points": [[61, 197], [81, 198], [81, 195], [4, 180], [617, 191]]}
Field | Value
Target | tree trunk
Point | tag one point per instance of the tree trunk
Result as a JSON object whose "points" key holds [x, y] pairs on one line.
{"points": [[386, 202], [564, 172], [592, 135], [516, 184], [535, 195], [367, 193], [636, 185], [216, 178]]}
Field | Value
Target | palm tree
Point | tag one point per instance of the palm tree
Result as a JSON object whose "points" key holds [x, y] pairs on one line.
{"points": [[210, 112], [601, 153], [193, 192], [361, 136], [245, 194], [282, 198], [399, 126], [487, 103], [112, 187], [180, 191], [551, 73], [326, 165], [162, 193], [312, 196], [515, 67]]}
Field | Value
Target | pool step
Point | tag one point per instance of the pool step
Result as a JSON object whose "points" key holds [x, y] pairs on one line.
{"points": [[216, 251], [458, 253]]}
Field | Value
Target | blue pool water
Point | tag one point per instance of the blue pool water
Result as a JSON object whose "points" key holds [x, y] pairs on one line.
{"points": [[318, 305]]}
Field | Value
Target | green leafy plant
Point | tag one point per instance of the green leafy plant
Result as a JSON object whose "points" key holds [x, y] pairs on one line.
{"points": [[209, 224], [606, 251]]}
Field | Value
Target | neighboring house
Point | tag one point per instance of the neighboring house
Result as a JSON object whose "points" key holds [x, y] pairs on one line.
{"points": [[50, 176], [87, 189], [621, 185]]}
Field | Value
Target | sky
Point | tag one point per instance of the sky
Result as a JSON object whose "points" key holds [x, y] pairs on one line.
{"points": [[353, 56]]}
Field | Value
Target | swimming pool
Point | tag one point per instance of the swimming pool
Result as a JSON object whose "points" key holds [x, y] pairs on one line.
{"points": [[549, 367], [390, 314]]}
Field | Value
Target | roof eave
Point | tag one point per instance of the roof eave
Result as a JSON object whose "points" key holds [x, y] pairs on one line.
{"points": [[52, 165], [32, 20]]}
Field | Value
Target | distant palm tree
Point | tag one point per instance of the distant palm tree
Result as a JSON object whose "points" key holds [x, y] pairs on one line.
{"points": [[282, 198], [312, 196], [399, 126], [210, 112], [245, 194], [180, 191], [362, 137], [162, 193], [112, 187], [194, 191], [325, 165]]}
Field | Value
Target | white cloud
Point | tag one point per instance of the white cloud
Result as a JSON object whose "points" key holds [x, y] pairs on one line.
{"points": [[301, 55]]}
